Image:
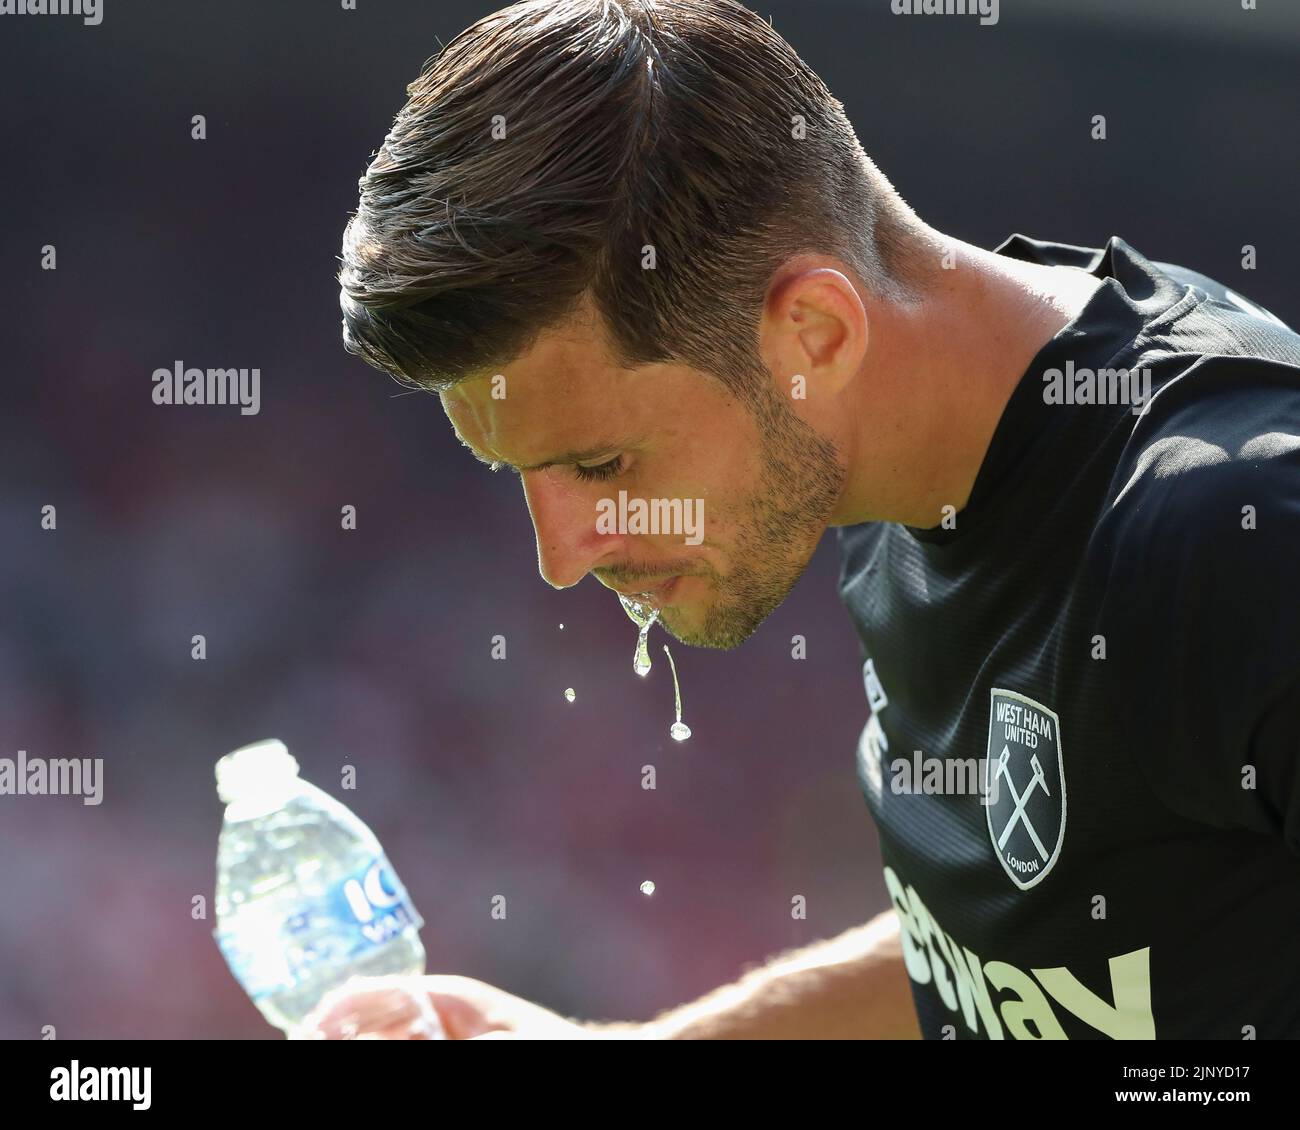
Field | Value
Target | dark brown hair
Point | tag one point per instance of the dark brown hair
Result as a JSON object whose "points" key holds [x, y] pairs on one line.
{"points": [[627, 124]]}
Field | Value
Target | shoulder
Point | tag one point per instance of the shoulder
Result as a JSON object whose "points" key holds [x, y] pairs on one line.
{"points": [[1198, 549], [1208, 484]]}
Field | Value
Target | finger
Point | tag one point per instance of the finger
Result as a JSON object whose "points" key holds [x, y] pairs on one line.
{"points": [[466, 1007], [376, 1005], [462, 1007]]}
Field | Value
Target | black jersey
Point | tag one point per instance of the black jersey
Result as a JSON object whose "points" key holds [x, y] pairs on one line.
{"points": [[1083, 754]]}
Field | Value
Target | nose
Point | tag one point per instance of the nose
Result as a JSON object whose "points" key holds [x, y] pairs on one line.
{"points": [[564, 521]]}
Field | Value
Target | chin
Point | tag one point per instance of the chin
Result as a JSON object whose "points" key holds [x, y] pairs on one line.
{"points": [[682, 622], [703, 616], [686, 622], [709, 625]]}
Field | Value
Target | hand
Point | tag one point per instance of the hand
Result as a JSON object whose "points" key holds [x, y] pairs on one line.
{"points": [[438, 1007]]}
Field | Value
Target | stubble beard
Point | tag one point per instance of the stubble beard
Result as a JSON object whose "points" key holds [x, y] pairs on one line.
{"points": [[799, 484]]}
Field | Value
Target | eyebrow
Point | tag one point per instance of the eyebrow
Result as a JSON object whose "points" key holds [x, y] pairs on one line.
{"points": [[568, 457]]}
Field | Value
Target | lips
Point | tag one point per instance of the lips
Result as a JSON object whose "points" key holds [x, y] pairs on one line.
{"points": [[660, 593], [656, 594]]}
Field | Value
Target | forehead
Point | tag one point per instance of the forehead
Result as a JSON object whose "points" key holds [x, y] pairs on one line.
{"points": [[562, 393]]}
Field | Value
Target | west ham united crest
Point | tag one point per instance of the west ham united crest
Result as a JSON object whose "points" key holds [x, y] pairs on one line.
{"points": [[1025, 785]]}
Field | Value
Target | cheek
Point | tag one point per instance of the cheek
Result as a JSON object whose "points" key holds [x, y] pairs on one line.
{"points": [[713, 455], [721, 464]]}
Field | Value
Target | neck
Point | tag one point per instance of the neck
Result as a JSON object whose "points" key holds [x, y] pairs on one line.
{"points": [[937, 375]]}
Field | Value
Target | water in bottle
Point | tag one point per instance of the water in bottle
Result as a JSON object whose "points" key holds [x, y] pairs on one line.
{"points": [[306, 898]]}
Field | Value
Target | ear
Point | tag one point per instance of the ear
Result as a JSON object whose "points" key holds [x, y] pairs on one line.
{"points": [[814, 330]]}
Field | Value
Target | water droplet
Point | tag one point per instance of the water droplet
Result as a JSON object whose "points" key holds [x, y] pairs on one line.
{"points": [[643, 616], [639, 612], [641, 657], [647, 888], [570, 694], [679, 730]]}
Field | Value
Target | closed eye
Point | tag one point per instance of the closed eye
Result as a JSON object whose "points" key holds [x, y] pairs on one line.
{"points": [[600, 471]]}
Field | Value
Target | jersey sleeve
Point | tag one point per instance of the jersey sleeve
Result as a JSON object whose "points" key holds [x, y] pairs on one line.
{"points": [[1201, 612]]}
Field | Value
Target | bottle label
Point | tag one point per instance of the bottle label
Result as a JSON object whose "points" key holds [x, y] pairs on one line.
{"points": [[271, 947]]}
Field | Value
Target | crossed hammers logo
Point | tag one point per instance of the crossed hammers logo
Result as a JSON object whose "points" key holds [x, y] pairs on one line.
{"points": [[1018, 814]]}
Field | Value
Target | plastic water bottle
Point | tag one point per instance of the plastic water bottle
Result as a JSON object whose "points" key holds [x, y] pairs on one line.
{"points": [[306, 898]]}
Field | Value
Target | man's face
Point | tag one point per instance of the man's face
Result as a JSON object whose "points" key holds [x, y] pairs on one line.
{"points": [[768, 481]]}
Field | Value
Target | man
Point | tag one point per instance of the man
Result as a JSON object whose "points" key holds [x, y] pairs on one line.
{"points": [[637, 247]]}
